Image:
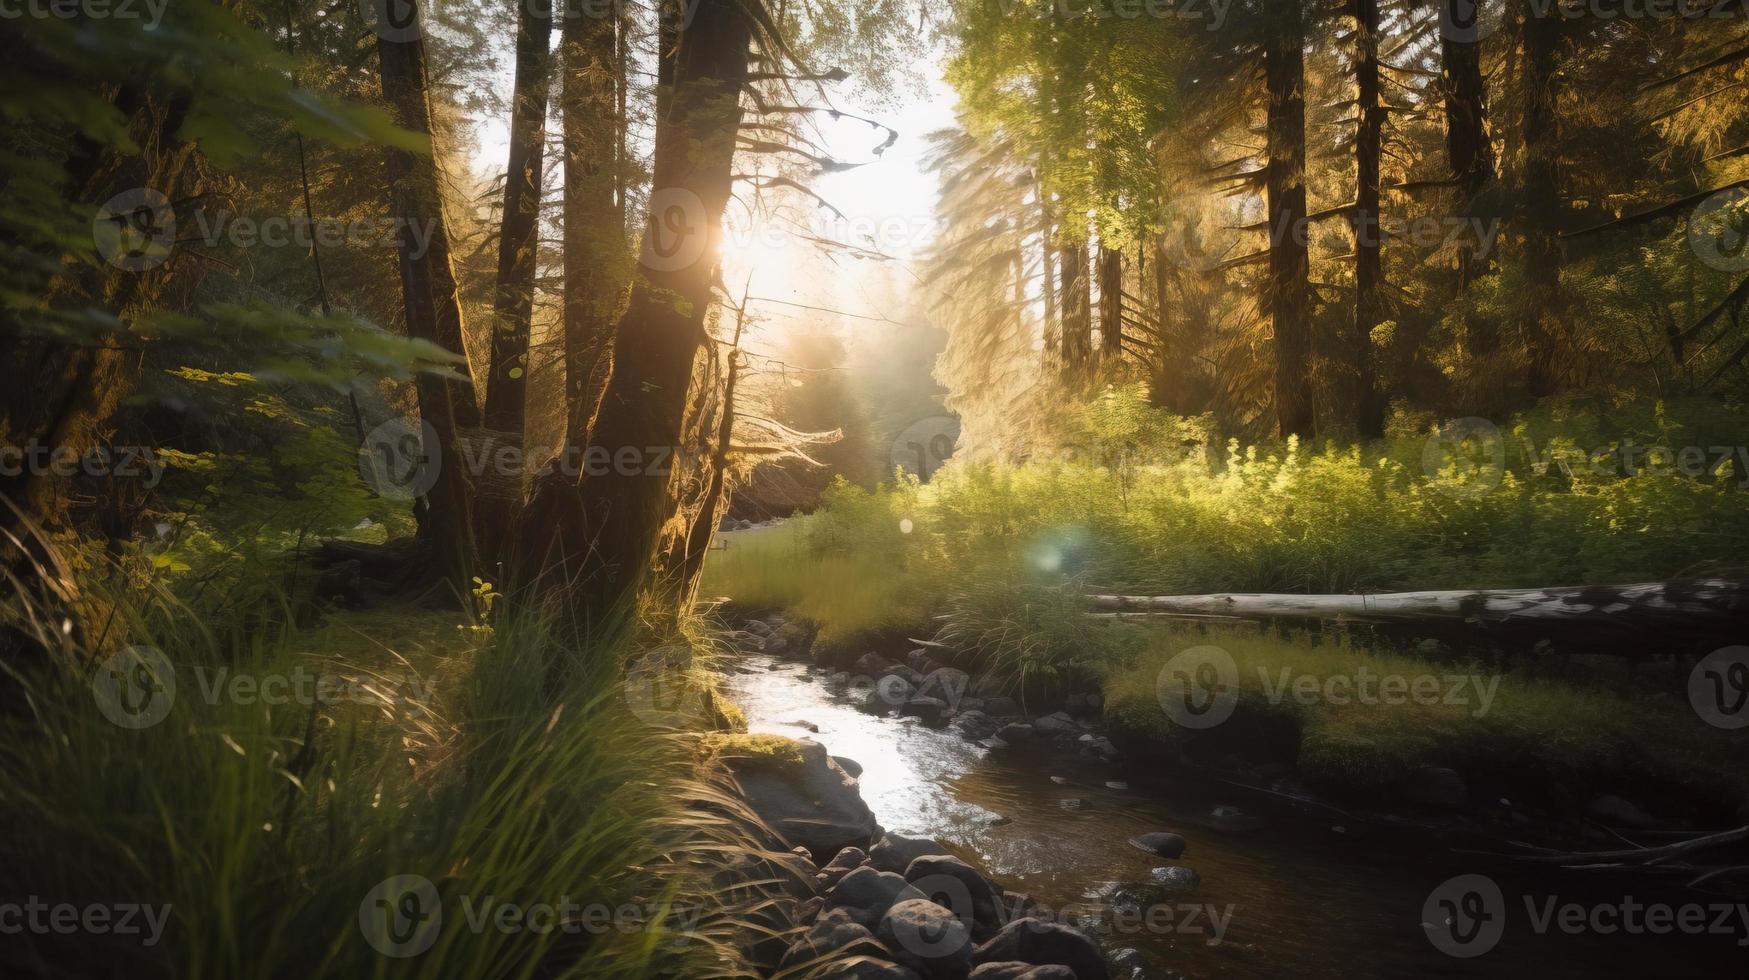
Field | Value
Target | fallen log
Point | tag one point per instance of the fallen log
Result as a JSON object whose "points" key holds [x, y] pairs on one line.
{"points": [[1675, 617]]}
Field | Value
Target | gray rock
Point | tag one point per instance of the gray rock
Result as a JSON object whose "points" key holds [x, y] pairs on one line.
{"points": [[1228, 817], [866, 894], [814, 803], [1022, 971], [872, 969], [843, 863], [973, 724], [872, 665], [948, 684], [849, 765], [930, 711], [1167, 845], [889, 692], [1175, 880], [956, 885], [895, 852], [758, 627], [834, 936], [1001, 707], [1040, 942], [1014, 732], [1617, 812], [1099, 745], [920, 661], [1434, 788], [1057, 722], [927, 938], [971, 704]]}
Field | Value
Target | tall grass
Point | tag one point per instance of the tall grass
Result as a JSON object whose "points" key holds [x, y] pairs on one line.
{"points": [[264, 827]]}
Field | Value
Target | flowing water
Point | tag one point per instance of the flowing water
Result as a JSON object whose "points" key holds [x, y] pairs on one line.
{"points": [[1304, 894]]}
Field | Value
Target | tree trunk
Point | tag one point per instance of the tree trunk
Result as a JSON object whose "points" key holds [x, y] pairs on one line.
{"points": [[1540, 208], [433, 308], [1470, 152], [1369, 412], [598, 537], [1285, 179], [518, 251], [1076, 299], [595, 254], [1110, 307], [1653, 617], [716, 496]]}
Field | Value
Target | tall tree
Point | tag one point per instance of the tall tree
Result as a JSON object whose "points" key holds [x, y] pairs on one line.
{"points": [[1110, 307], [1285, 194], [1540, 201], [1369, 413], [598, 536], [518, 250], [432, 303]]}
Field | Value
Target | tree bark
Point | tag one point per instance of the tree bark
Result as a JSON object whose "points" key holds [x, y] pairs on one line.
{"points": [[1540, 260], [595, 255], [1076, 300], [1644, 618], [1467, 146], [1369, 412], [1110, 307], [1285, 181], [598, 537], [433, 307], [518, 251]]}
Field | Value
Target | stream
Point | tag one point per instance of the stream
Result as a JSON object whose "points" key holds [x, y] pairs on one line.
{"points": [[1304, 894]]}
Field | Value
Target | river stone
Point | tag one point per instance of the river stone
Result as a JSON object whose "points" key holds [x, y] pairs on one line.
{"points": [[920, 661], [843, 863], [1099, 746], [1001, 707], [954, 884], [1014, 731], [946, 683], [1160, 842], [1040, 942], [930, 711], [1055, 723], [872, 665], [927, 938], [1435, 788], [895, 852], [867, 894], [1175, 879], [889, 692], [835, 936], [868, 968], [973, 725], [814, 804]]}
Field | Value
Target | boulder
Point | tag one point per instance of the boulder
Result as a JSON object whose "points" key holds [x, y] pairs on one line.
{"points": [[866, 894], [1040, 942], [973, 725], [1005, 970], [1175, 879], [804, 796], [843, 863], [835, 936], [947, 684], [1001, 707], [1435, 788], [956, 885], [1098, 745], [1057, 723], [895, 852], [1014, 732], [865, 968], [872, 665], [1166, 845], [929, 711], [849, 765], [920, 661], [971, 704], [890, 692], [790, 639], [927, 938]]}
